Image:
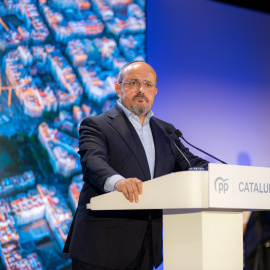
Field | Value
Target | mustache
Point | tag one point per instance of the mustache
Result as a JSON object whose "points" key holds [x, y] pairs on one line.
{"points": [[140, 96]]}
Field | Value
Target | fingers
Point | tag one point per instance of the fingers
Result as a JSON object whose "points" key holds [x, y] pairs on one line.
{"points": [[130, 187], [138, 190]]}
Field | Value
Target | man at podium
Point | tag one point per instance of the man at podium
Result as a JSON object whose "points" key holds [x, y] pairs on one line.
{"points": [[119, 150]]}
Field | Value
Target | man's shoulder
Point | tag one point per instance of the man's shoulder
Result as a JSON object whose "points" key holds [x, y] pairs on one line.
{"points": [[162, 123], [92, 119], [103, 117]]}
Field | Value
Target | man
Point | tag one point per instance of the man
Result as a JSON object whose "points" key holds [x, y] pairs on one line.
{"points": [[119, 150]]}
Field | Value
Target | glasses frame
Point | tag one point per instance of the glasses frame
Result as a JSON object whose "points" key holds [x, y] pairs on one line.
{"points": [[139, 85]]}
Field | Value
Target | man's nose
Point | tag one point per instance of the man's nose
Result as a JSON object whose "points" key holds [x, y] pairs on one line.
{"points": [[141, 87]]}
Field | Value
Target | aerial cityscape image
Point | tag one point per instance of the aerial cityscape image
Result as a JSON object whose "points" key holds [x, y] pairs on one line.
{"points": [[59, 62]]}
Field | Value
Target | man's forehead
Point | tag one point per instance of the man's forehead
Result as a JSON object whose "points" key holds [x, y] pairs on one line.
{"points": [[139, 67]]}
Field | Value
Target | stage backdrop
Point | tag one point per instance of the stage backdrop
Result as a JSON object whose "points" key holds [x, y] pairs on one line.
{"points": [[61, 59], [213, 66]]}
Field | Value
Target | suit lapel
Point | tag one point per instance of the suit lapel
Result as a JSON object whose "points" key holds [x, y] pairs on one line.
{"points": [[160, 146], [122, 125]]}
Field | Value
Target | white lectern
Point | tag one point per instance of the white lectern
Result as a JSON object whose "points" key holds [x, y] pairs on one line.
{"points": [[202, 213]]}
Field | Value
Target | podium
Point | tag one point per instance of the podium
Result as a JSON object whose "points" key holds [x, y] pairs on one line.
{"points": [[202, 213]]}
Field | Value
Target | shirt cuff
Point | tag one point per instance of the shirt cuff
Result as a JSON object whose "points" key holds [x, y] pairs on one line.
{"points": [[111, 181]]}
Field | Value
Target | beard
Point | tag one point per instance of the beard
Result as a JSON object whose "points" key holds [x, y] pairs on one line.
{"points": [[139, 110]]}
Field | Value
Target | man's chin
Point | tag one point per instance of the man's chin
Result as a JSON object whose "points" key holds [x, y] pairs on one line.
{"points": [[140, 110]]}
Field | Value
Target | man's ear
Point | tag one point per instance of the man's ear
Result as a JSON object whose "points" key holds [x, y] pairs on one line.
{"points": [[117, 88]]}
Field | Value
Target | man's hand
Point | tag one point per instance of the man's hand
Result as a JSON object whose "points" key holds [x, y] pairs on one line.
{"points": [[130, 187]]}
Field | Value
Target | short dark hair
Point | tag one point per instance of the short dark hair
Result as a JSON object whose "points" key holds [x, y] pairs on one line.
{"points": [[120, 76]]}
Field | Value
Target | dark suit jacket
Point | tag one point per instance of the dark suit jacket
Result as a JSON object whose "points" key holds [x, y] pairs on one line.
{"points": [[109, 145], [256, 253]]}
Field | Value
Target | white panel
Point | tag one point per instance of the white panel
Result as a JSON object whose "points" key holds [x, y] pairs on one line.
{"points": [[207, 240], [188, 189], [222, 240], [239, 187]]}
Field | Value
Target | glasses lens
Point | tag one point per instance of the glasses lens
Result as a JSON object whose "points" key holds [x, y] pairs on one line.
{"points": [[137, 85]]}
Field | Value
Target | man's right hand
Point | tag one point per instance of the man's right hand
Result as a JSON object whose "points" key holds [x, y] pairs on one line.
{"points": [[130, 187]]}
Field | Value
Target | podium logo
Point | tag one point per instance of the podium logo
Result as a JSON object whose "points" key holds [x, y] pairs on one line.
{"points": [[221, 185]]}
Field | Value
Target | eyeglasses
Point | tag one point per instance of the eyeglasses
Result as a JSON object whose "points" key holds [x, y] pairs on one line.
{"points": [[137, 85]]}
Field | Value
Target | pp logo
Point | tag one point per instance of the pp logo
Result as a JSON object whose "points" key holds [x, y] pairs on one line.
{"points": [[221, 185]]}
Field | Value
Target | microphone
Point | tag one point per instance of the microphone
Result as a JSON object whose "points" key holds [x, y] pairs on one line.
{"points": [[179, 134], [169, 131]]}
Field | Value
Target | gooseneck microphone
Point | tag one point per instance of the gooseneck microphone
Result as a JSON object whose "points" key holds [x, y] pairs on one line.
{"points": [[179, 134], [169, 131]]}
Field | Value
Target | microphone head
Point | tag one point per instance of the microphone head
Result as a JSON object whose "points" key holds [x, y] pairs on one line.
{"points": [[169, 130], [178, 133]]}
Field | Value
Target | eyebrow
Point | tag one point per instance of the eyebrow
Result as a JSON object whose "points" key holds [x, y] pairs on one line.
{"points": [[139, 80]]}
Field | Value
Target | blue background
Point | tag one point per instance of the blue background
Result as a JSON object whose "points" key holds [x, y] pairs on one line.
{"points": [[213, 66]]}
